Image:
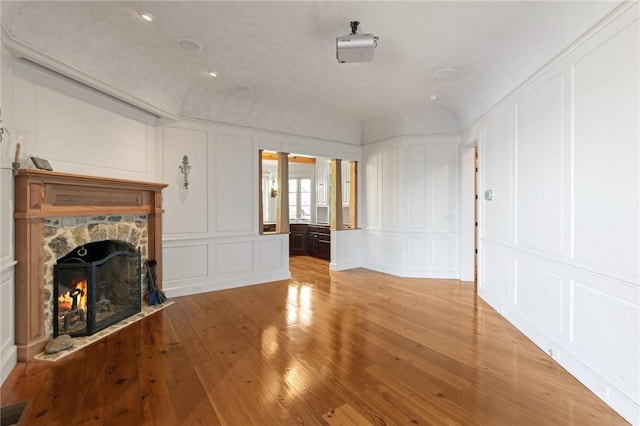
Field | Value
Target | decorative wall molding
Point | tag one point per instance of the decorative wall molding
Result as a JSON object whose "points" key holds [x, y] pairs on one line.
{"points": [[559, 242]]}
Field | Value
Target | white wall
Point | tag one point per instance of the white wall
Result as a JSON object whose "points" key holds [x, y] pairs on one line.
{"points": [[211, 235], [467, 212], [210, 231], [412, 206], [8, 350], [560, 238], [79, 131], [211, 238]]}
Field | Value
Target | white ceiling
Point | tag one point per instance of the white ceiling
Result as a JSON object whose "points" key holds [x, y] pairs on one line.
{"points": [[285, 51]]}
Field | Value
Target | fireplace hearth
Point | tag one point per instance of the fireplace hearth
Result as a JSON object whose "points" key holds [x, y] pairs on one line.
{"points": [[96, 285]]}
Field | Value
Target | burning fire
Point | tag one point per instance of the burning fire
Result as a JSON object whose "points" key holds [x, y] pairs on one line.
{"points": [[65, 301]]}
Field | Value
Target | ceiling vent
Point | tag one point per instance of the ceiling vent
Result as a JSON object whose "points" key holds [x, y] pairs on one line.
{"points": [[355, 47]]}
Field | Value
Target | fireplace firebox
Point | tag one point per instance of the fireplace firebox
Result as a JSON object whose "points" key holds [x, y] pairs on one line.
{"points": [[96, 285]]}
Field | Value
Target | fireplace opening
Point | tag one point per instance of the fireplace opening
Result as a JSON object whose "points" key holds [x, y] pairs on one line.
{"points": [[96, 285]]}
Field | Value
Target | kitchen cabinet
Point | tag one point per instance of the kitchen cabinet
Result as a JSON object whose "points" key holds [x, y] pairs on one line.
{"points": [[323, 183], [297, 239], [310, 240], [346, 182], [319, 241]]}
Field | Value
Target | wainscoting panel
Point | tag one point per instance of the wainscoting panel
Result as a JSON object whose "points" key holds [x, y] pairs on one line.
{"points": [[6, 213], [346, 249], [270, 252], [185, 262], [539, 295], [235, 183], [496, 275], [418, 251], [606, 173], [418, 235], [444, 253], [539, 163], [442, 174], [94, 134], [417, 183], [186, 210], [412, 254], [430, 169], [383, 252], [202, 265], [607, 328], [570, 280], [8, 349], [233, 256], [372, 175], [374, 252], [497, 157], [390, 181]]}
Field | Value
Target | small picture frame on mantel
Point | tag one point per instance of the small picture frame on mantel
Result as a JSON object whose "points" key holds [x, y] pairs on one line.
{"points": [[41, 163]]}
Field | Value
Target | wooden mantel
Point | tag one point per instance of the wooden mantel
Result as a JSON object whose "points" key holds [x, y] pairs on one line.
{"points": [[42, 194]]}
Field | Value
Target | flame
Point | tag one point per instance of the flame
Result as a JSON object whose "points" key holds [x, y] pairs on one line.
{"points": [[65, 301]]}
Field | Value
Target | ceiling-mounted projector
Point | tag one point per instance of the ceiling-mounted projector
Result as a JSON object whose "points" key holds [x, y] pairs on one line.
{"points": [[355, 47]]}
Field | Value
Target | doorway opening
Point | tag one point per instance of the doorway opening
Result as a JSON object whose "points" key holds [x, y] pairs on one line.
{"points": [[475, 218]]}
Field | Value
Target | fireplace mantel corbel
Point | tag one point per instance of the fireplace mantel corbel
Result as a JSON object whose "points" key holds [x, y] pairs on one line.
{"points": [[41, 194]]}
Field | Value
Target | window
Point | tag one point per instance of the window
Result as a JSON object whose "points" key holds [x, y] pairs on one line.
{"points": [[268, 202], [300, 199]]}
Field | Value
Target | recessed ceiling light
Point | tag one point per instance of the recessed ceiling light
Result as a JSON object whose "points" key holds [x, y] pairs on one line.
{"points": [[213, 73], [147, 16], [189, 45], [444, 73], [243, 87], [434, 98]]}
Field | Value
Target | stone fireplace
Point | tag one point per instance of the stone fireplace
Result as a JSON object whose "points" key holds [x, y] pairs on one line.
{"points": [[56, 212], [62, 235], [96, 285]]}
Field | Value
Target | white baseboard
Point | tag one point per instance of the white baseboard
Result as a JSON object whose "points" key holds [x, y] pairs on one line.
{"points": [[595, 382], [178, 289], [343, 266], [9, 360]]}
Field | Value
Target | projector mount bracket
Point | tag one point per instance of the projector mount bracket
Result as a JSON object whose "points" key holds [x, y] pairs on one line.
{"points": [[354, 27]]}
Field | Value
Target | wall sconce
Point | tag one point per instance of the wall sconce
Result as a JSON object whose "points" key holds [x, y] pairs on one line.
{"points": [[274, 191], [184, 169], [2, 129]]}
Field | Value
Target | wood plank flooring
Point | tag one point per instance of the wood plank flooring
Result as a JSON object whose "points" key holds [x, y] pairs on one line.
{"points": [[325, 348]]}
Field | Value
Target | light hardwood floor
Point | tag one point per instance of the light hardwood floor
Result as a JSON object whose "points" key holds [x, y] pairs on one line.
{"points": [[326, 348]]}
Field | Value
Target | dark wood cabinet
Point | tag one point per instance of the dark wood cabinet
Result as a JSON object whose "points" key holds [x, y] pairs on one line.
{"points": [[297, 240], [319, 241], [310, 240]]}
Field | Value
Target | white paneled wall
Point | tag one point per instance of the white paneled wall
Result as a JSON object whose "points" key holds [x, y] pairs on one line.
{"points": [[346, 249], [8, 350], [211, 238], [540, 170], [498, 215], [210, 230], [412, 206], [79, 131], [606, 156], [235, 183], [560, 239], [189, 209]]}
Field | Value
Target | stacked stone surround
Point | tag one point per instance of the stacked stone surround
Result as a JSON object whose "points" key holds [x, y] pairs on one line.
{"points": [[61, 235]]}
